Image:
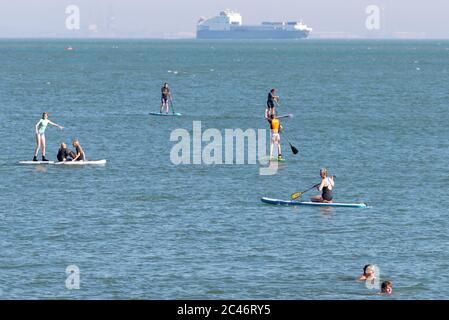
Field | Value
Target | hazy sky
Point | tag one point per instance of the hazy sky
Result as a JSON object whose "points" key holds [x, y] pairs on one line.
{"points": [[164, 18]]}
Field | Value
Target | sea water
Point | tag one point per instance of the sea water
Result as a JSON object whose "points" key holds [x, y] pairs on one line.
{"points": [[374, 113]]}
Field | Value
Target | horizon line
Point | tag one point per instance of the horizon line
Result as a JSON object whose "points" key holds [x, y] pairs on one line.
{"points": [[215, 40]]}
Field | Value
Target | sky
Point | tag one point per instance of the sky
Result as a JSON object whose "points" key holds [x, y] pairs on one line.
{"points": [[178, 18]]}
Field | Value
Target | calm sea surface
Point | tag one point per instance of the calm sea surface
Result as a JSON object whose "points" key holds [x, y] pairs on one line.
{"points": [[375, 113]]}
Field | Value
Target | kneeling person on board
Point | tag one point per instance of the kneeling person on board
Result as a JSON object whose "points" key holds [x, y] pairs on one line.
{"points": [[271, 109], [63, 153], [275, 127], [79, 154], [326, 186]]}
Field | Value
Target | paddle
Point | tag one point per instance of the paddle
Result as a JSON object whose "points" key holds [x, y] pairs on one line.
{"points": [[285, 116], [298, 195], [172, 106], [294, 150]]}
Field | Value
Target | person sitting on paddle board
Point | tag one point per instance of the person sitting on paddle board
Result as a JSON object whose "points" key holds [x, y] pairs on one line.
{"points": [[326, 186], [275, 127], [40, 135], [165, 91], [63, 153], [272, 98], [79, 154]]}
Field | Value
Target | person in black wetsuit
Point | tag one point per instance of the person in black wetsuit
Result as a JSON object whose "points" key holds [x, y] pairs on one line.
{"points": [[326, 186], [63, 153], [165, 97], [271, 100]]}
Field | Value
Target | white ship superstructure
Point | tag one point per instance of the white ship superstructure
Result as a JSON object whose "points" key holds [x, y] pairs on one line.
{"points": [[229, 25]]}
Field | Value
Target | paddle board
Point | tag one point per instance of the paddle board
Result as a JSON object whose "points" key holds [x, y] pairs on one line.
{"points": [[313, 204], [272, 159], [66, 163], [81, 163], [176, 114], [36, 162]]}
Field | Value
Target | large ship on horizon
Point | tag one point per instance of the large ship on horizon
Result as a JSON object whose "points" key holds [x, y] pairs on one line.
{"points": [[228, 25]]}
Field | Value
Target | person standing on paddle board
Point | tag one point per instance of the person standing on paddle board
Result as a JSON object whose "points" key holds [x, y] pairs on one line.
{"points": [[79, 154], [272, 98], [326, 186], [41, 126], [166, 95], [275, 127]]}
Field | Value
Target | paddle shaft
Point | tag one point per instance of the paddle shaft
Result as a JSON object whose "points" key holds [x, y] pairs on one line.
{"points": [[285, 135], [315, 186], [301, 193], [172, 105], [309, 189], [294, 150], [285, 116]]}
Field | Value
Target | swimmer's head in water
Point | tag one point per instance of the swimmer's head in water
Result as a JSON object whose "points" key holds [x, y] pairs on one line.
{"points": [[386, 287], [323, 172], [368, 270], [45, 115], [271, 116]]}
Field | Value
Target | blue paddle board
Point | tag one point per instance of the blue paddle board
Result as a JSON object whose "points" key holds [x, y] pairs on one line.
{"points": [[312, 204]]}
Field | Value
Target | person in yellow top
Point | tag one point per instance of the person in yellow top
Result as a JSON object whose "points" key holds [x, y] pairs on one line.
{"points": [[275, 127]]}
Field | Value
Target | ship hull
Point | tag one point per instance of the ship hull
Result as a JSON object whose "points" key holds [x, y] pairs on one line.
{"points": [[251, 34]]}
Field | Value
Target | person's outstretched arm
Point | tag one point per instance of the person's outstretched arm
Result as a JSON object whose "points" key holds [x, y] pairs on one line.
{"points": [[55, 124]]}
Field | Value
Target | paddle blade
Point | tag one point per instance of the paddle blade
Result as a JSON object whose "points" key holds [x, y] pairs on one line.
{"points": [[294, 150], [296, 195]]}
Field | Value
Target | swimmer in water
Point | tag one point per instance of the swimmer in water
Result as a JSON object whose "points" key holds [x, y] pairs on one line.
{"points": [[369, 273], [386, 288]]}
